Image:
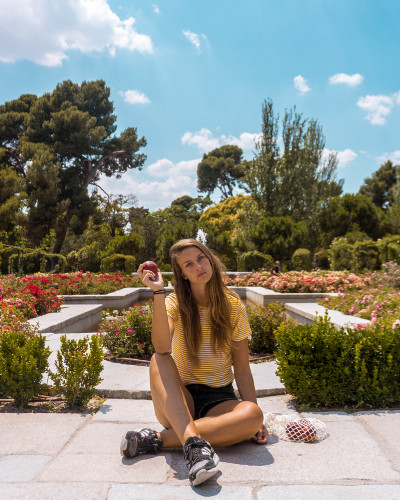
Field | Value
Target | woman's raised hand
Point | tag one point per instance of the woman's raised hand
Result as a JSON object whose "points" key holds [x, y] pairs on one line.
{"points": [[150, 279]]}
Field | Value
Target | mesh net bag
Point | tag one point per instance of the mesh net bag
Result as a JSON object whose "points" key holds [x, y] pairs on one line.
{"points": [[295, 428]]}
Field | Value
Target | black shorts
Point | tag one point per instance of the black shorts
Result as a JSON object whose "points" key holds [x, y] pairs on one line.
{"points": [[206, 397]]}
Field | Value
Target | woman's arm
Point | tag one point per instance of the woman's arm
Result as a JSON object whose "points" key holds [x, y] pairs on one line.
{"points": [[242, 372], [162, 325], [245, 382]]}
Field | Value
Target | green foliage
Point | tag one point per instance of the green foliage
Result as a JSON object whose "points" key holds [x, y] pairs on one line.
{"points": [[323, 366], [296, 181], [279, 236], [60, 143], [78, 364], [302, 260], [321, 259], [357, 257], [364, 256], [264, 321], [222, 169], [129, 335], [389, 248], [23, 361], [28, 261], [339, 254], [118, 262], [379, 187], [348, 213], [253, 260]]}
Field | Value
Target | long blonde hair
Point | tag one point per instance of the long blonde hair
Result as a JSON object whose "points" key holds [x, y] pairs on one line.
{"points": [[219, 305]]}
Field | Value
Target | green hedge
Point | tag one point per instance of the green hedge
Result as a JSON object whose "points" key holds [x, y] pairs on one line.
{"points": [[118, 262], [29, 261], [323, 366], [302, 260], [251, 261]]}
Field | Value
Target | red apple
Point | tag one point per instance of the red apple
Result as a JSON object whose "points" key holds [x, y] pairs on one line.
{"points": [[150, 266], [308, 432], [293, 430]]}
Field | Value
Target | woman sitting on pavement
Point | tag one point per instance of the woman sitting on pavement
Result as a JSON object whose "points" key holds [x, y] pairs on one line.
{"points": [[198, 332]]}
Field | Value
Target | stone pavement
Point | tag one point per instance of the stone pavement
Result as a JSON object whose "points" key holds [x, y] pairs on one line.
{"points": [[73, 456]]}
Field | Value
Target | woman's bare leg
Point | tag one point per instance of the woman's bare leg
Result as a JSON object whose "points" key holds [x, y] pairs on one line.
{"points": [[173, 403], [227, 423]]}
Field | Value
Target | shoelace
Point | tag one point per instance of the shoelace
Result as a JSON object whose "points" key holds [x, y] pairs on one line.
{"points": [[197, 453]]}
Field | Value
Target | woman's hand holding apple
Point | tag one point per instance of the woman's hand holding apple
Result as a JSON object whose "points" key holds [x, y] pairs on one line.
{"points": [[151, 276]]}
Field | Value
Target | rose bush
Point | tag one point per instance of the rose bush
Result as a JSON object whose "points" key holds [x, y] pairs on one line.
{"points": [[297, 282], [377, 298]]}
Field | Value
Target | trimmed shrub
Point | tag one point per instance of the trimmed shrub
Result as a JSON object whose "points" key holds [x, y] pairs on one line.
{"points": [[23, 361], [118, 262], [389, 249], [250, 261], [323, 366], [339, 254], [364, 256], [302, 260], [264, 321], [129, 336], [321, 259], [79, 364]]}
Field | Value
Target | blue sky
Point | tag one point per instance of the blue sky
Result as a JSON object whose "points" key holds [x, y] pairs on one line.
{"points": [[191, 75]]}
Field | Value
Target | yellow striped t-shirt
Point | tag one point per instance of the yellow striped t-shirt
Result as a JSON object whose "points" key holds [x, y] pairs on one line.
{"points": [[214, 368]]}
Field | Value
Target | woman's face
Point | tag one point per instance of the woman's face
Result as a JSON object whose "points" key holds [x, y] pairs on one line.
{"points": [[195, 266]]}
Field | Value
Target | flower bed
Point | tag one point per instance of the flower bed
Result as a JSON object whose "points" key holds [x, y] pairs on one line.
{"points": [[294, 281], [377, 299]]}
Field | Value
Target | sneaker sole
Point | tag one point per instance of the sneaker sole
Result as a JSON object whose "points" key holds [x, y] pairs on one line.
{"points": [[205, 474], [124, 446]]}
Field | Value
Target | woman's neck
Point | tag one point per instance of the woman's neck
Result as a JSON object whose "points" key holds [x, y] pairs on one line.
{"points": [[200, 295]]}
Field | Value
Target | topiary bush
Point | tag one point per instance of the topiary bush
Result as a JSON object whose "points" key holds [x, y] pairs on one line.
{"points": [[364, 256], [23, 361], [339, 254], [129, 336], [302, 260], [118, 262], [78, 364], [264, 321], [250, 261], [323, 366]]}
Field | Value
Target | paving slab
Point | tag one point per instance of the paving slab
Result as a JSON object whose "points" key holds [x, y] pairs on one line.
{"points": [[348, 454], [126, 410], [164, 492], [107, 468], [50, 491], [331, 492], [37, 434], [384, 427], [102, 438], [21, 468]]}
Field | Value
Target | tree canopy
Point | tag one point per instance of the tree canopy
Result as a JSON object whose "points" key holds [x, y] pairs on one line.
{"points": [[297, 181], [61, 143], [222, 169], [379, 187]]}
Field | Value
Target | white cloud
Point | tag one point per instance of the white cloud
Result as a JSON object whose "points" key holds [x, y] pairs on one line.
{"points": [[194, 38], [151, 193], [344, 157], [205, 141], [351, 80], [394, 156], [301, 84], [135, 97], [378, 107], [165, 168], [44, 31], [156, 9]]}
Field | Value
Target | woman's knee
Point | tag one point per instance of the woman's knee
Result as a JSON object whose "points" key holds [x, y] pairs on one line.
{"points": [[253, 414]]}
